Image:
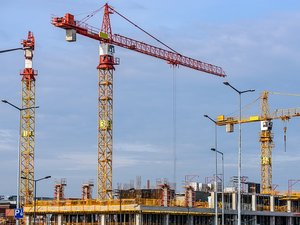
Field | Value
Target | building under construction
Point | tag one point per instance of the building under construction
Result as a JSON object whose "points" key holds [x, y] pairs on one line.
{"points": [[161, 205]]}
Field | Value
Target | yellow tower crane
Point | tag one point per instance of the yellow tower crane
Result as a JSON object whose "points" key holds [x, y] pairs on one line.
{"points": [[266, 135]]}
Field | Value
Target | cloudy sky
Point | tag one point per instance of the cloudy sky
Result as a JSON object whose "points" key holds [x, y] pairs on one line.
{"points": [[256, 43]]}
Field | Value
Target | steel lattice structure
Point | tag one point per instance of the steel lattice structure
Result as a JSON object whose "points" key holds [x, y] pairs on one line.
{"points": [[27, 124], [105, 136], [266, 145]]}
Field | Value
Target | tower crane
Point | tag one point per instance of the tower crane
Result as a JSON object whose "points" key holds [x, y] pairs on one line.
{"points": [[25, 187], [266, 135], [27, 124], [105, 68]]}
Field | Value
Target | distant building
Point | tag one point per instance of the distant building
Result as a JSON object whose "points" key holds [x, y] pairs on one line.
{"points": [[7, 206]]}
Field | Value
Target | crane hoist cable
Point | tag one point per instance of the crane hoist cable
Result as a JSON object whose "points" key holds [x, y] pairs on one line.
{"points": [[89, 16], [150, 35], [174, 96], [128, 20], [285, 120], [288, 94], [245, 107], [249, 105], [284, 133], [174, 127]]}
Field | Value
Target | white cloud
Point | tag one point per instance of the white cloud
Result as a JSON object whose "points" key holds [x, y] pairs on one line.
{"points": [[125, 155], [250, 49], [136, 147], [287, 158], [8, 140], [130, 155]]}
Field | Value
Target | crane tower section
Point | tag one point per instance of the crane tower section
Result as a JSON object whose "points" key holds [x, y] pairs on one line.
{"points": [[105, 120], [105, 111], [27, 126], [266, 142]]}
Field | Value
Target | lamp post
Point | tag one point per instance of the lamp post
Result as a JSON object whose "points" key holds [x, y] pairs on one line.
{"points": [[120, 211], [12, 49], [216, 191], [18, 172], [35, 182], [118, 193], [240, 146], [223, 177]]}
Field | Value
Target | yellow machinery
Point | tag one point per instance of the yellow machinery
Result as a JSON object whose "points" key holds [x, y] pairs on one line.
{"points": [[266, 135]]}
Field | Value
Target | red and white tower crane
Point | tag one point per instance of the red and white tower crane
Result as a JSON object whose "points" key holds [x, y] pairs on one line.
{"points": [[25, 183], [27, 124], [105, 68]]}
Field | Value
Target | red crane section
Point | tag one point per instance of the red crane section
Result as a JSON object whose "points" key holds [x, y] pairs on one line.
{"points": [[28, 46], [174, 58]]}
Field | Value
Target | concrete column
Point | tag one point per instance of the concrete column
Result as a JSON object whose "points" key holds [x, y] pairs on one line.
{"points": [[98, 218], [59, 220], [289, 205], [27, 220], [211, 200], [253, 202], [138, 219], [235, 217], [166, 219], [48, 219], [190, 220], [102, 219], [290, 220], [234, 200], [272, 220], [272, 203], [254, 222]]}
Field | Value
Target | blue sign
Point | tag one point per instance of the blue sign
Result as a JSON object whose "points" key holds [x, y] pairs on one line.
{"points": [[19, 213]]}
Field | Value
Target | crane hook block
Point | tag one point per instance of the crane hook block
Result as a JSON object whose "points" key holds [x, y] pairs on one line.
{"points": [[229, 127]]}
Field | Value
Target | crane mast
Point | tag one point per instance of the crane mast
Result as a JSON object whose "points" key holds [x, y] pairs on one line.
{"points": [[105, 112], [105, 80], [266, 145], [27, 124]]}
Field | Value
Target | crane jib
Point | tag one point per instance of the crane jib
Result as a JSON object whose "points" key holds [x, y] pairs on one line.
{"points": [[174, 58]]}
